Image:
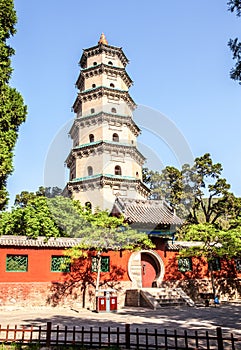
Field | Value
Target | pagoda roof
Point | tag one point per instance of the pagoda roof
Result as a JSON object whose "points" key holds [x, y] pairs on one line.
{"points": [[99, 68], [99, 91], [106, 117], [98, 49], [108, 179], [145, 212], [89, 148]]}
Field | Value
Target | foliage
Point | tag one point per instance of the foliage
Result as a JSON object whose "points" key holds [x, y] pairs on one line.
{"points": [[213, 242], [198, 192], [235, 47], [235, 5], [234, 44], [33, 220], [36, 215], [12, 109], [210, 191]]}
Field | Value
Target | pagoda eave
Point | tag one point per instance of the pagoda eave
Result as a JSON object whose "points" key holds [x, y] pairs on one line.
{"points": [[101, 180], [100, 147], [98, 49], [111, 119], [99, 69], [100, 91]]}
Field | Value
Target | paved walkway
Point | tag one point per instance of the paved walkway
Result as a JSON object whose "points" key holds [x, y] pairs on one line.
{"points": [[227, 316]]}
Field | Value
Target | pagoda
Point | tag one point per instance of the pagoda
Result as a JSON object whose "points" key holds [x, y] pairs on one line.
{"points": [[104, 161]]}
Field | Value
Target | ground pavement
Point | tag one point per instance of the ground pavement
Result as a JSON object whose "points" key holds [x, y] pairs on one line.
{"points": [[227, 316]]}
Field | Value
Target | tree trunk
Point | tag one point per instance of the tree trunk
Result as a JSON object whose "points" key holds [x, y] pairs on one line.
{"points": [[98, 273], [212, 280]]}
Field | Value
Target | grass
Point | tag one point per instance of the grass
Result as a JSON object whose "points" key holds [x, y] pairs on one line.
{"points": [[20, 346]]}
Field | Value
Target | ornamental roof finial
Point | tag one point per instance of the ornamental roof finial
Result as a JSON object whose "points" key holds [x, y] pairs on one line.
{"points": [[103, 39]]}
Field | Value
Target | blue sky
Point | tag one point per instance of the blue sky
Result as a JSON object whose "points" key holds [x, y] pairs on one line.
{"points": [[179, 61]]}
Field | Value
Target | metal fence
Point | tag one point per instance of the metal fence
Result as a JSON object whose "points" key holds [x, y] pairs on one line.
{"points": [[122, 337]]}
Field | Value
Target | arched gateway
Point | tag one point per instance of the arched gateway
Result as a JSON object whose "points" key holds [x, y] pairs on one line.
{"points": [[146, 269]]}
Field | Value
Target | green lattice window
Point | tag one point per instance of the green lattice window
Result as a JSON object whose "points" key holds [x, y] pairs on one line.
{"points": [[17, 263], [238, 264], [185, 264], [214, 264], [60, 264], [105, 264]]}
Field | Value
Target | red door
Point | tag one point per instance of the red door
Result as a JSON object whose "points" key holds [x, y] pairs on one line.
{"points": [[149, 270], [101, 304]]}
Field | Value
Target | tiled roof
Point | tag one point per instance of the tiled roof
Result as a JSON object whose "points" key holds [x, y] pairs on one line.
{"points": [[152, 212], [24, 241], [178, 245]]}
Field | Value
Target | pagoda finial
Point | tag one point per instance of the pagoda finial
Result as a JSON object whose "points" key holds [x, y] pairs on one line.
{"points": [[103, 39]]}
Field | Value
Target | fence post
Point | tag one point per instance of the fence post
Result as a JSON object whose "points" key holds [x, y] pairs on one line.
{"points": [[220, 338], [128, 336], [48, 334]]}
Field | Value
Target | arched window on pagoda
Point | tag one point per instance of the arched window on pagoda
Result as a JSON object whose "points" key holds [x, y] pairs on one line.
{"points": [[110, 63], [115, 137], [117, 170], [112, 85], [91, 138], [88, 205], [90, 170], [93, 86], [113, 110], [92, 111]]}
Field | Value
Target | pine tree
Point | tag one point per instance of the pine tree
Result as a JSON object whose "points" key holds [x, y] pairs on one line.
{"points": [[234, 44]]}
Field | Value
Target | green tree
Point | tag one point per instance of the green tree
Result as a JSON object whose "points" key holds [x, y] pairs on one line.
{"points": [[104, 234], [211, 197], [234, 44], [32, 220], [198, 192], [212, 243], [12, 109]]}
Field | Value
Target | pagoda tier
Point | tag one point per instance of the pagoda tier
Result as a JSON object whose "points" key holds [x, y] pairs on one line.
{"points": [[104, 161], [101, 190], [100, 69], [113, 120], [97, 93], [108, 50], [97, 148]]}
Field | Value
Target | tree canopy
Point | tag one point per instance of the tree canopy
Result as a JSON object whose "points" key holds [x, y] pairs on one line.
{"points": [[12, 109], [197, 192], [214, 242], [36, 215], [234, 44]]}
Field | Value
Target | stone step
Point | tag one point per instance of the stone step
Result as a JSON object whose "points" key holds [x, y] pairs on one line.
{"points": [[160, 305], [156, 298]]}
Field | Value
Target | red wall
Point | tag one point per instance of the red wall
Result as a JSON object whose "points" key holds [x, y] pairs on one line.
{"points": [[39, 265], [199, 266]]}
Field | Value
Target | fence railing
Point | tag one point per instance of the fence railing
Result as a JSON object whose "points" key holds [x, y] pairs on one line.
{"points": [[125, 337]]}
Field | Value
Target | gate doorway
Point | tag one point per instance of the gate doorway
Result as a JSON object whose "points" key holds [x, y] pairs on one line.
{"points": [[149, 270], [146, 269]]}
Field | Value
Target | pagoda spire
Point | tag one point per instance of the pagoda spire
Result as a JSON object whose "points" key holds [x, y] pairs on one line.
{"points": [[103, 39]]}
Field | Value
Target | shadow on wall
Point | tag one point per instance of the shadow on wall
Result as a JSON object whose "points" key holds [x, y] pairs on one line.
{"points": [[79, 284], [227, 282]]}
